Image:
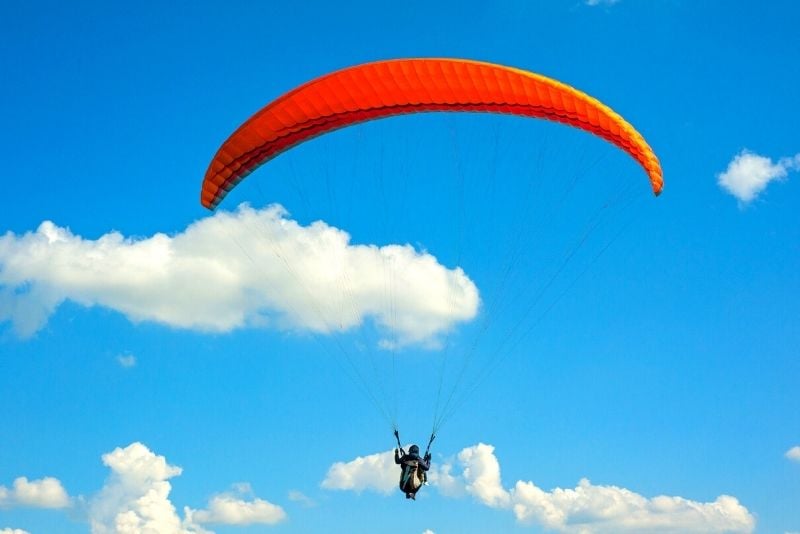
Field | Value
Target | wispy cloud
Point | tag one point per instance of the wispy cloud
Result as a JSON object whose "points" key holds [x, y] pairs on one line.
{"points": [[43, 493], [13, 531], [748, 174], [794, 453], [231, 270], [585, 509], [301, 498], [601, 2], [126, 360]]}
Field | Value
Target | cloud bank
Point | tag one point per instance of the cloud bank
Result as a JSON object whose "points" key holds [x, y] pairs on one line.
{"points": [[232, 270], [748, 174], [585, 509], [43, 493]]}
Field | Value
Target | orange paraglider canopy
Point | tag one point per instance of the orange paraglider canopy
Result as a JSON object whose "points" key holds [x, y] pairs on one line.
{"points": [[395, 87]]}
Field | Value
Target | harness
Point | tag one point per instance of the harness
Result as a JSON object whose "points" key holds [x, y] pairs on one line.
{"points": [[411, 478]]}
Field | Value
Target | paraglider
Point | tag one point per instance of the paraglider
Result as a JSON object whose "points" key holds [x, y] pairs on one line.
{"points": [[403, 86]]}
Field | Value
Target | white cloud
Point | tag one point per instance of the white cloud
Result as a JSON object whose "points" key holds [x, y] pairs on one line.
{"points": [[607, 509], [43, 493], [595, 509], [748, 174], [231, 270], [481, 475], [585, 509], [231, 509], [428, 531], [448, 484], [227, 509], [126, 360], [135, 497], [794, 453], [300, 497], [13, 531], [376, 472]]}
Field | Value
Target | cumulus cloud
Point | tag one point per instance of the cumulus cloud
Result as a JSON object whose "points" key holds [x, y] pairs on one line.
{"points": [[232, 270], [481, 476], [135, 497], [13, 531], [585, 509], [232, 509], [43, 493], [229, 510], [748, 174], [376, 472], [590, 508], [794, 454]]}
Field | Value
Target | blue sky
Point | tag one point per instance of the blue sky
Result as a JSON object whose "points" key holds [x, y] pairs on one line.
{"points": [[155, 356]]}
